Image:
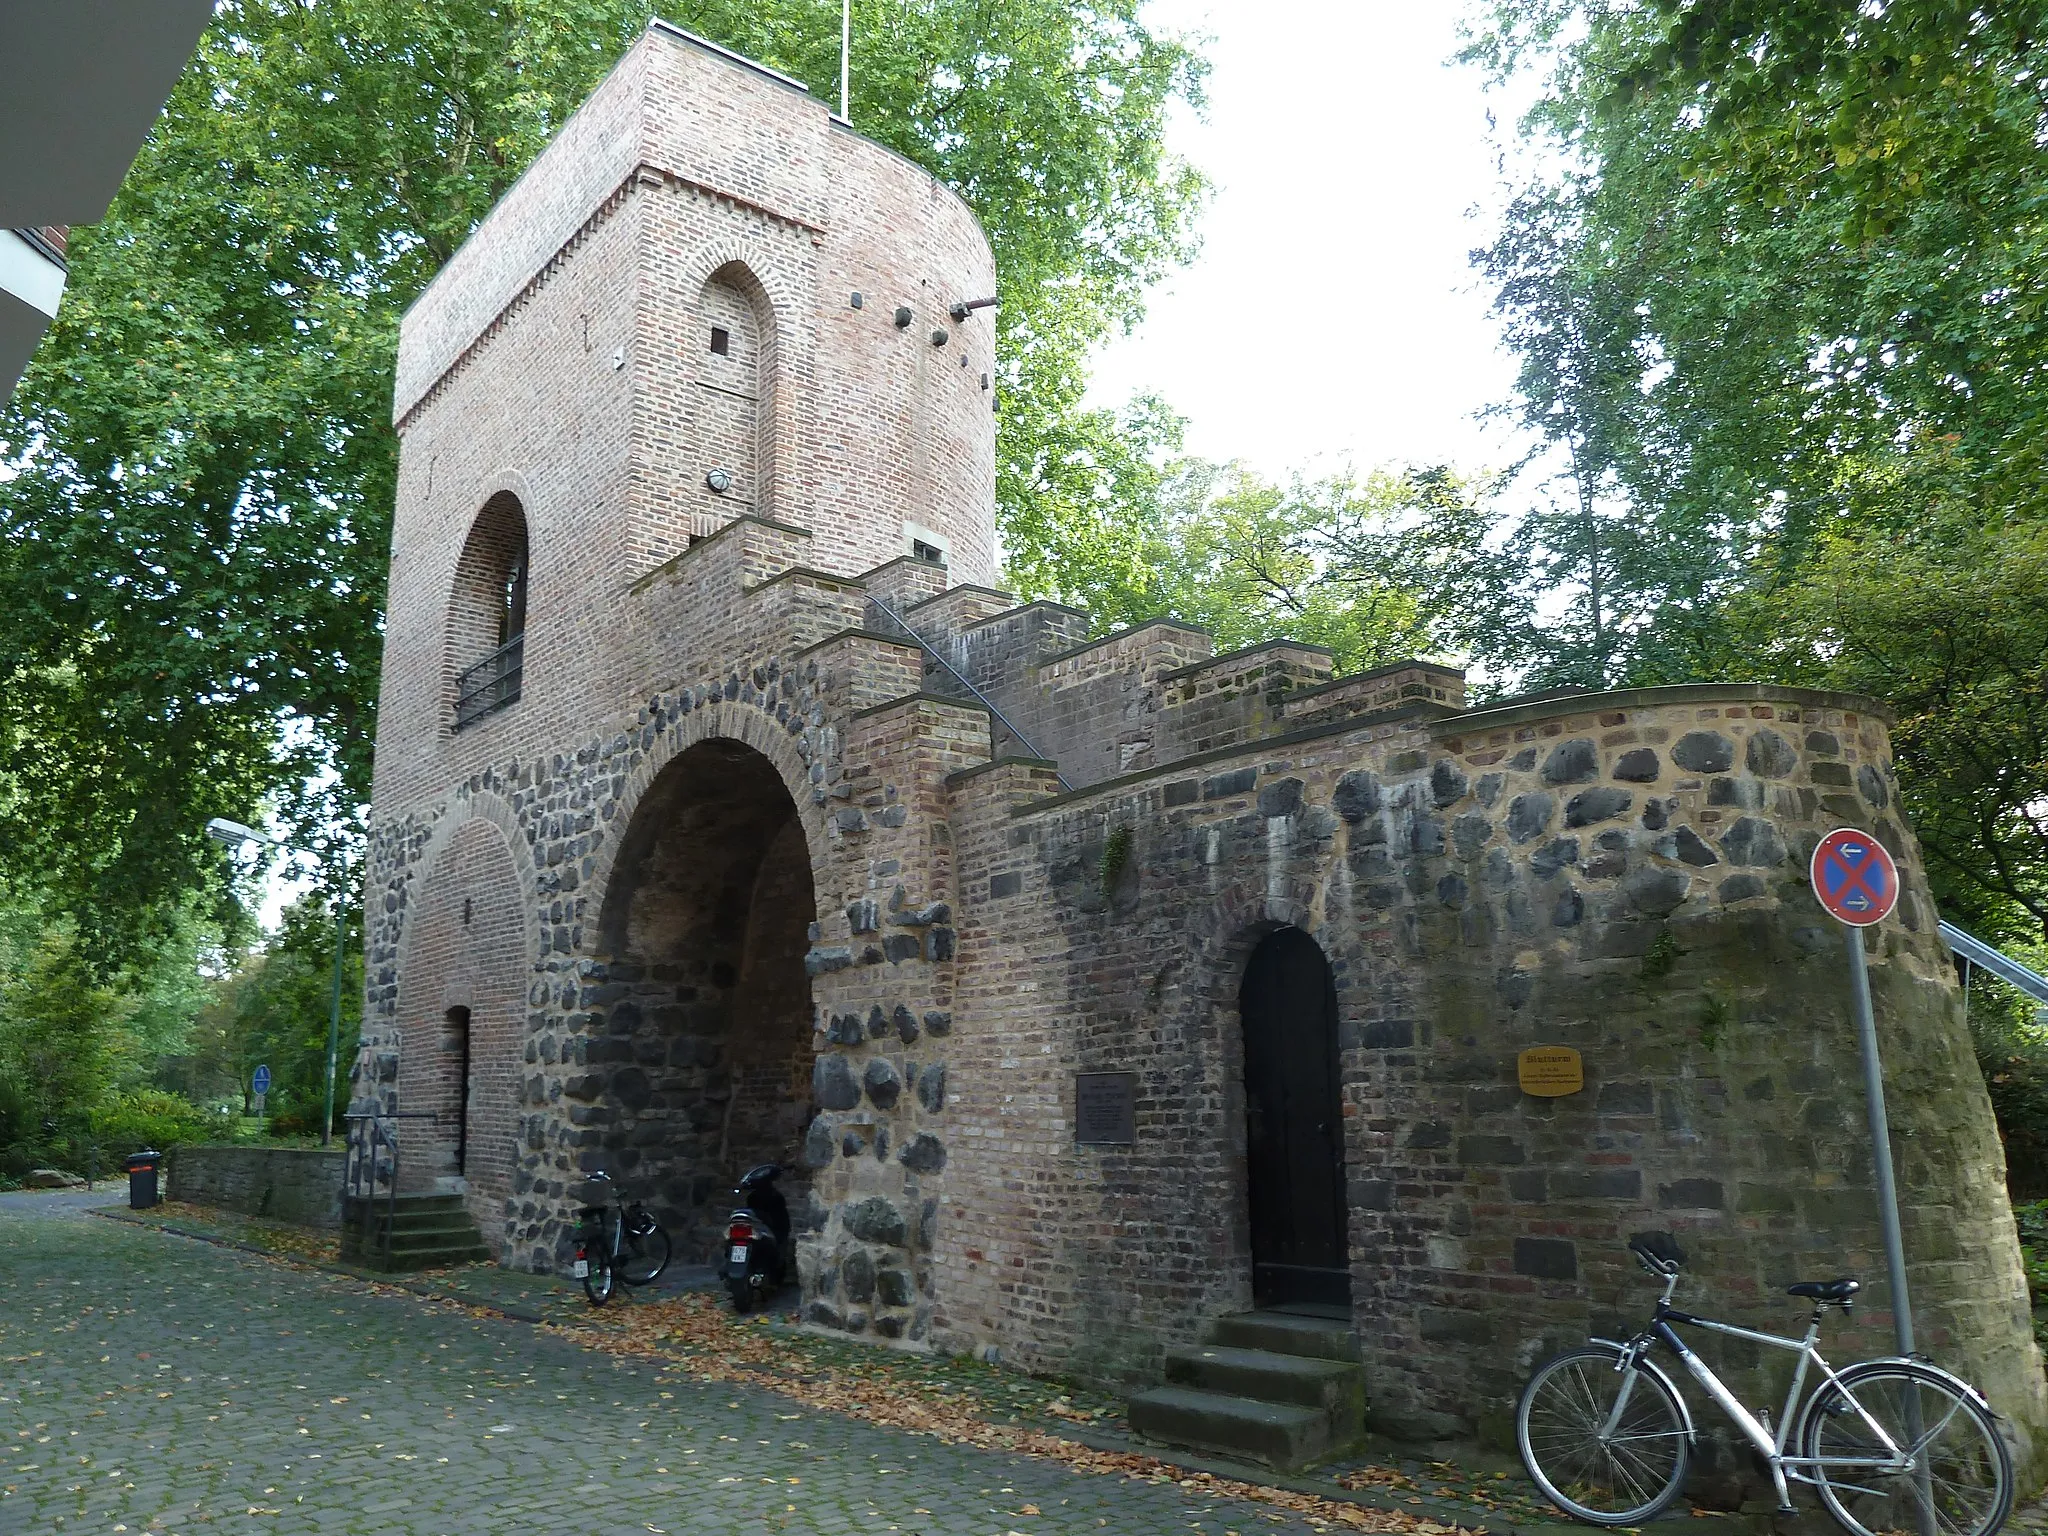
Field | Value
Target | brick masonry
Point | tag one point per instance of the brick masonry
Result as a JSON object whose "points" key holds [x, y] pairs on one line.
{"points": [[746, 872]]}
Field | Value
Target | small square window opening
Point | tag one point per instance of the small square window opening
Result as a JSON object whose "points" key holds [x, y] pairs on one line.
{"points": [[721, 341], [925, 551]]}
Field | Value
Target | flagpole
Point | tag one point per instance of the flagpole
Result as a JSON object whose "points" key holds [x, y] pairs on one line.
{"points": [[845, 53]]}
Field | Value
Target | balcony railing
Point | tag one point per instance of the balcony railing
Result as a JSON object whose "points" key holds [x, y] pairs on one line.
{"points": [[491, 684]]}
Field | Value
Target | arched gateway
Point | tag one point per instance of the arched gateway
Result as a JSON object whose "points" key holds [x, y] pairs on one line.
{"points": [[704, 1054]]}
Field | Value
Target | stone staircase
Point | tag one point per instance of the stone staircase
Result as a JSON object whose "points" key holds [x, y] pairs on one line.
{"points": [[412, 1232], [1280, 1388]]}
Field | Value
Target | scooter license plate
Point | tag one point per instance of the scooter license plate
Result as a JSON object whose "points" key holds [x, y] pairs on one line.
{"points": [[739, 1253], [580, 1269]]}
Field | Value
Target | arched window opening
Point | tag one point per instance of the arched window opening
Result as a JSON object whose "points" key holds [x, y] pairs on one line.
{"points": [[734, 347], [487, 612]]}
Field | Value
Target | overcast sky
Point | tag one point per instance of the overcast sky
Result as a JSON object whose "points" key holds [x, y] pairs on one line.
{"points": [[1332, 315]]}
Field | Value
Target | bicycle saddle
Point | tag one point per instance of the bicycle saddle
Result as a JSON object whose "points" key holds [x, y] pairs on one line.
{"points": [[1827, 1292], [1657, 1252]]}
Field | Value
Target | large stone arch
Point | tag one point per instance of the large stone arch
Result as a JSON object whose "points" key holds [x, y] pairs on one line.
{"points": [[465, 965], [718, 719], [698, 1061]]}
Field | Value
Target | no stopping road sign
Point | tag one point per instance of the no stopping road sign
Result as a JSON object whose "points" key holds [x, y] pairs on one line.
{"points": [[1854, 877]]}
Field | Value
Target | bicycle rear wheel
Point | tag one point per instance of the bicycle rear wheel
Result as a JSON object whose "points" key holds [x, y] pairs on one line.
{"points": [[600, 1279], [1962, 1481], [1621, 1478]]}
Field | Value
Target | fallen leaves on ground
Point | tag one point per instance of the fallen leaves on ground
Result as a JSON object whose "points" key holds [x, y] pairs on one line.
{"points": [[273, 1237], [910, 1392]]}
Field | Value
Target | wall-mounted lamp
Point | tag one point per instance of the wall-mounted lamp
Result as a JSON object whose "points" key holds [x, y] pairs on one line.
{"points": [[719, 481]]}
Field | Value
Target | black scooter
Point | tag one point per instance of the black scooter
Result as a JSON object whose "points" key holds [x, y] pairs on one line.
{"points": [[757, 1239]]}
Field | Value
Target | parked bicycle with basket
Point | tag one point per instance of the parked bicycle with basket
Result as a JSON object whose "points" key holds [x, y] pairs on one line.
{"points": [[1894, 1446], [616, 1243]]}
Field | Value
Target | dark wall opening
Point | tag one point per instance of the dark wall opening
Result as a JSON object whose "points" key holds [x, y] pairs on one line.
{"points": [[456, 1046], [705, 1053], [1294, 1125]]}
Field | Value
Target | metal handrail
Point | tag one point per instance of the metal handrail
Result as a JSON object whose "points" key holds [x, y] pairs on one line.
{"points": [[362, 1148], [1976, 952], [981, 698], [491, 684]]}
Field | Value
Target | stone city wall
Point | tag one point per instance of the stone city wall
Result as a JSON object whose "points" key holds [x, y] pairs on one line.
{"points": [[1623, 874], [301, 1185]]}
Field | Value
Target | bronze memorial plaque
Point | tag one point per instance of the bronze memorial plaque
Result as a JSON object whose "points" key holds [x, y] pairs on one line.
{"points": [[1551, 1071], [1105, 1109]]}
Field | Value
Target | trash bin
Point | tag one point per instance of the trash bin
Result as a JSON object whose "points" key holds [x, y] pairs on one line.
{"points": [[142, 1167]]}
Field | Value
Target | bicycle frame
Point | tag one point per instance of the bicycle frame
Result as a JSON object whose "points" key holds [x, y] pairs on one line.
{"points": [[1756, 1431]]}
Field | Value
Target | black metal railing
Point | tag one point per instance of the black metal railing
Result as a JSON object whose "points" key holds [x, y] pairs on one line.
{"points": [[370, 1175], [491, 684]]}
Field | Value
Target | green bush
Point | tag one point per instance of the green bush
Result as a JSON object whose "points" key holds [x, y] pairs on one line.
{"points": [[2012, 1052], [147, 1117]]}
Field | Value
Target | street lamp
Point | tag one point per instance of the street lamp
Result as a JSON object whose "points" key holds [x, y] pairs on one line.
{"points": [[234, 834]]}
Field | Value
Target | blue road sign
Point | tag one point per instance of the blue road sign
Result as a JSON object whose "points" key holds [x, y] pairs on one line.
{"points": [[260, 1083], [1855, 878]]}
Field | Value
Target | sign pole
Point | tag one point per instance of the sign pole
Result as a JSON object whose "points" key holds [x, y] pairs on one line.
{"points": [[1857, 884], [333, 1025], [845, 56], [1880, 1143]]}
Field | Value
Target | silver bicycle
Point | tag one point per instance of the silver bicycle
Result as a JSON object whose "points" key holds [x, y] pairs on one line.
{"points": [[1894, 1446]]}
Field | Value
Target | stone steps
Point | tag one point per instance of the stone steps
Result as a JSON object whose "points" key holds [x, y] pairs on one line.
{"points": [[414, 1232], [1335, 1387], [1281, 1435], [1288, 1333], [1281, 1388]]}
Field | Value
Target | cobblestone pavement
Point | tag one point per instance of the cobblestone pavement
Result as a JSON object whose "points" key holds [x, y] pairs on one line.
{"points": [[149, 1383]]}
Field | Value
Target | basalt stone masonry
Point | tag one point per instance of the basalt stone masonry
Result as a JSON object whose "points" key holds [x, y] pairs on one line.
{"points": [[698, 841]]}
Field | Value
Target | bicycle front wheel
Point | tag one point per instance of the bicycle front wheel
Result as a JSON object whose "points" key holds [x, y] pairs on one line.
{"points": [[1594, 1463], [1961, 1482], [644, 1255]]}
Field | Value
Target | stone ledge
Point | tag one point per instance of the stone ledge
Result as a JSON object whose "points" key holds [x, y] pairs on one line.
{"points": [[1123, 634], [962, 775], [971, 706], [1549, 705], [805, 573], [1242, 653], [1255, 748], [872, 636], [669, 566]]}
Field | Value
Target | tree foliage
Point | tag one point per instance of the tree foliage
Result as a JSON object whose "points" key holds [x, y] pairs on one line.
{"points": [[1774, 287], [1378, 568], [199, 465]]}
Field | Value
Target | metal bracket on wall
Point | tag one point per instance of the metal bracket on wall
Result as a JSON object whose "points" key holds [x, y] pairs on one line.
{"points": [[980, 698]]}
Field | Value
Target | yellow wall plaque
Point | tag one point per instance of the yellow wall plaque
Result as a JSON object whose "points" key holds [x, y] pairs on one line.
{"points": [[1550, 1071]]}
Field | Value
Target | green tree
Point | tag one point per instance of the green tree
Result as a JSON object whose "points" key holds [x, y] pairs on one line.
{"points": [[274, 1010], [62, 1049], [194, 524], [1774, 289], [1377, 569]]}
